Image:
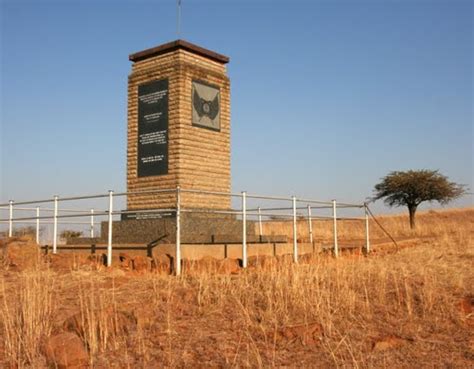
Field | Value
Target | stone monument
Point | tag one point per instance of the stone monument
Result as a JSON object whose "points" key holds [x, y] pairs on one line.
{"points": [[178, 135], [178, 126]]}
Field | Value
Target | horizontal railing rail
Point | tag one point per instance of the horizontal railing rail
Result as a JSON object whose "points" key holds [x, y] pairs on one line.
{"points": [[263, 215]]}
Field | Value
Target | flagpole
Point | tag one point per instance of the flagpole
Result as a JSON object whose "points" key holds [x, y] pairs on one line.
{"points": [[178, 23]]}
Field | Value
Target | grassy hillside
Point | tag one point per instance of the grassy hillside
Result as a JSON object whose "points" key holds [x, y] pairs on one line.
{"points": [[404, 309]]}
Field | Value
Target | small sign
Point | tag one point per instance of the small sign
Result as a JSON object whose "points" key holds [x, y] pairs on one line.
{"points": [[153, 128], [140, 215]]}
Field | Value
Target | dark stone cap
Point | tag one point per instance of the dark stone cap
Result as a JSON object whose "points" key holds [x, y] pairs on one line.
{"points": [[176, 45]]}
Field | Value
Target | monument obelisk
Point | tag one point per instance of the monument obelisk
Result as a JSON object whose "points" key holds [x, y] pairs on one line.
{"points": [[178, 126]]}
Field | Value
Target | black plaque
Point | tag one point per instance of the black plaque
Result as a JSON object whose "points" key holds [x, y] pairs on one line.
{"points": [[153, 128]]}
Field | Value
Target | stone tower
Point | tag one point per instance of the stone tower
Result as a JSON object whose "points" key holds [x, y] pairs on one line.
{"points": [[178, 126]]}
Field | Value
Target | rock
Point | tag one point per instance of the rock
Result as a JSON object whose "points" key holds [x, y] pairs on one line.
{"points": [[162, 264], [66, 351], [75, 323], [206, 264], [466, 305], [268, 262], [253, 261], [96, 260], [308, 334], [20, 253], [387, 343], [229, 266], [262, 261], [126, 261], [61, 262], [141, 264], [119, 322], [210, 265]]}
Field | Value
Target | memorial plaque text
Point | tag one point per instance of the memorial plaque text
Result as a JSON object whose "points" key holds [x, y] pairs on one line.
{"points": [[153, 128]]}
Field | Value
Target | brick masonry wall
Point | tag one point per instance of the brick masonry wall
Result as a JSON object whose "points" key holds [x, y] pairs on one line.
{"points": [[198, 158]]}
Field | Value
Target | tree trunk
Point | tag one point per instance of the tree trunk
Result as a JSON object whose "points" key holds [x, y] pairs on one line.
{"points": [[412, 211]]}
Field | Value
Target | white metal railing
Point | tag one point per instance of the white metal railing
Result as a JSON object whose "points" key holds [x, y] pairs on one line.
{"points": [[270, 213]]}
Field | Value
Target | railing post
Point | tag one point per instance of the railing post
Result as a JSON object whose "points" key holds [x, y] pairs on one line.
{"points": [[310, 226], [37, 225], [55, 225], [109, 238], [178, 231], [92, 224], [336, 246], [260, 229], [10, 219], [295, 232], [367, 239], [244, 229]]}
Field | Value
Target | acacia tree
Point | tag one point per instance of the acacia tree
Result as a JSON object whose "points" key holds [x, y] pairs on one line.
{"points": [[413, 187]]}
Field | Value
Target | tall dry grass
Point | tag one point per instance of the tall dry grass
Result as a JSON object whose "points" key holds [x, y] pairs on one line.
{"points": [[432, 223], [27, 310], [411, 295], [397, 310]]}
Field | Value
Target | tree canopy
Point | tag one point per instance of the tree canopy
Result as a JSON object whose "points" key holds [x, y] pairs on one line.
{"points": [[413, 187]]}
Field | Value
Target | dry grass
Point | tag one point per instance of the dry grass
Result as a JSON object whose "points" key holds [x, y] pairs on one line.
{"points": [[27, 316], [430, 224], [396, 310]]}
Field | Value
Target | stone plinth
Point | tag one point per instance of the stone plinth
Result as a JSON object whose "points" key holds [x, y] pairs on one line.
{"points": [[195, 228]]}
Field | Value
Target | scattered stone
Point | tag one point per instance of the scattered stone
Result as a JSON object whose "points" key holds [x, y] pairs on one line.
{"points": [[269, 262], [19, 253], [126, 261], [97, 260], [141, 264], [65, 262], [163, 264], [66, 351], [466, 305], [206, 264], [387, 343], [308, 334], [229, 266], [261, 261], [119, 322]]}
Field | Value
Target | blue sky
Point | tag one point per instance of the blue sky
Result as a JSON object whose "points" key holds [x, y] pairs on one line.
{"points": [[327, 96]]}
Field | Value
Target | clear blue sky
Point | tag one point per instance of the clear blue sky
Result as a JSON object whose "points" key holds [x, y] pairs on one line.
{"points": [[327, 96]]}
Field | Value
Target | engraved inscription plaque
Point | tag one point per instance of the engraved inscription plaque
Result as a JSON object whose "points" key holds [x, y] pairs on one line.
{"points": [[153, 128], [206, 101]]}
